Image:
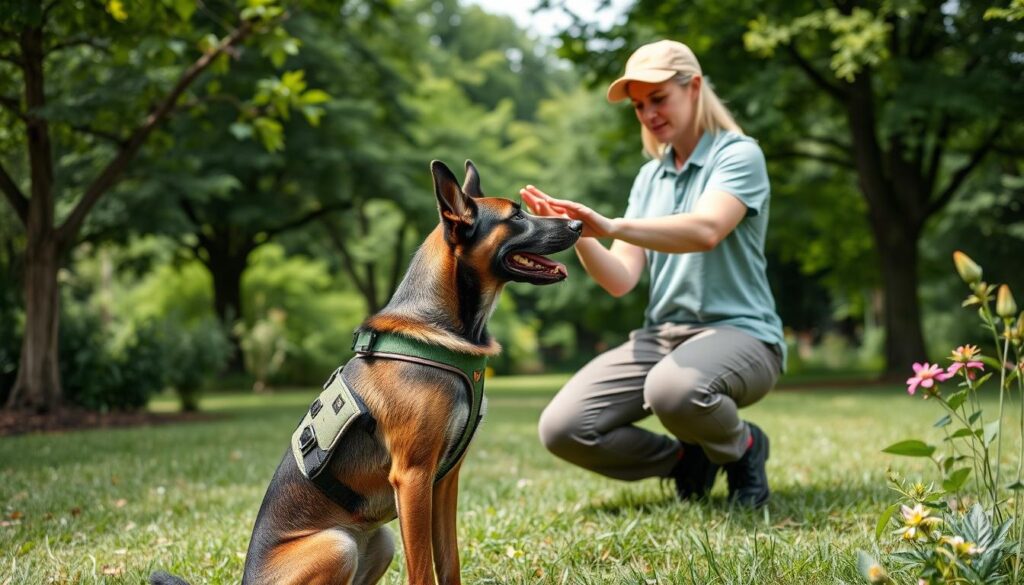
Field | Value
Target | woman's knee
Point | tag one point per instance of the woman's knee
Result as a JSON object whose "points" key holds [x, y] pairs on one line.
{"points": [[677, 393], [558, 430]]}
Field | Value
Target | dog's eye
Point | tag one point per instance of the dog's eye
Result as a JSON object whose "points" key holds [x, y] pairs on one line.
{"points": [[519, 216]]}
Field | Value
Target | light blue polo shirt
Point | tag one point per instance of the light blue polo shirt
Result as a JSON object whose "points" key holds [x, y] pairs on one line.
{"points": [[727, 285]]}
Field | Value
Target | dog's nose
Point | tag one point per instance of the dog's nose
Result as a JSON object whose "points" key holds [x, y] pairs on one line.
{"points": [[576, 226]]}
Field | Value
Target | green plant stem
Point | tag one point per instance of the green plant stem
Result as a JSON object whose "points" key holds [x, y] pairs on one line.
{"points": [[979, 464], [955, 453], [1002, 394], [986, 473], [1018, 527], [988, 481], [990, 323]]}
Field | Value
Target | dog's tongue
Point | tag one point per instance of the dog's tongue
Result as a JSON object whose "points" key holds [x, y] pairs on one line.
{"points": [[543, 264]]}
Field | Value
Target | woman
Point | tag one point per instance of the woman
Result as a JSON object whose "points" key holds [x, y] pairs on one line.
{"points": [[712, 343]]}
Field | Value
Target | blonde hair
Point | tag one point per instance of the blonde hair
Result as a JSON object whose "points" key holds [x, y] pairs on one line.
{"points": [[712, 116]]}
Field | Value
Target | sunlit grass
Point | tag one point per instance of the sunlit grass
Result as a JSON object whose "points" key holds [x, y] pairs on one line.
{"points": [[110, 506]]}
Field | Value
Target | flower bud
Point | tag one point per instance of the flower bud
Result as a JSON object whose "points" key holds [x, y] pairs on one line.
{"points": [[969, 271], [1005, 305]]}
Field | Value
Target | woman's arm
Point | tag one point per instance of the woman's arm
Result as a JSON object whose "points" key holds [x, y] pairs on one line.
{"points": [[713, 218], [617, 270]]}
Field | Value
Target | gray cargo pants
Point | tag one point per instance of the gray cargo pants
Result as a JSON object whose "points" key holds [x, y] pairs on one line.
{"points": [[692, 378]]}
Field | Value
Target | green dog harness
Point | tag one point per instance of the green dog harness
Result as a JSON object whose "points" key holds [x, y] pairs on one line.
{"points": [[339, 409]]}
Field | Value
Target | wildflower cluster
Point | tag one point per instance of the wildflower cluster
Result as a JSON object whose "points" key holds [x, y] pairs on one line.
{"points": [[963, 531], [927, 375], [940, 544]]}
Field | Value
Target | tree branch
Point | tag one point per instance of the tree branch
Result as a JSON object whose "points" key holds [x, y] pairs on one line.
{"points": [[962, 173], [14, 195], [935, 160], [399, 253], [303, 220], [830, 88], [113, 170], [78, 42], [833, 160], [829, 141], [346, 259], [110, 136], [46, 10]]}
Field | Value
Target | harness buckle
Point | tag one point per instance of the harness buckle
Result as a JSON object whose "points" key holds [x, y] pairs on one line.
{"points": [[307, 439], [367, 346]]}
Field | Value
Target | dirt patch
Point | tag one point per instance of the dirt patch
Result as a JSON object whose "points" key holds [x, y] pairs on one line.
{"points": [[20, 422]]}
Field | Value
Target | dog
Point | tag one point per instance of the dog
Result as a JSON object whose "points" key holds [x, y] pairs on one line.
{"points": [[405, 462]]}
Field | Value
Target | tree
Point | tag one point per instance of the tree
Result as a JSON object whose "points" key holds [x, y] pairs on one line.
{"points": [[123, 72], [908, 98]]}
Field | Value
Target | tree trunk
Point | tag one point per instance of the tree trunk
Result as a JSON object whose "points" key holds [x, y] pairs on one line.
{"points": [[226, 268], [898, 256], [37, 386], [896, 227]]}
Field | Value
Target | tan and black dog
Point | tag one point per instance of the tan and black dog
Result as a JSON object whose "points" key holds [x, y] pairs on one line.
{"points": [[390, 469]]}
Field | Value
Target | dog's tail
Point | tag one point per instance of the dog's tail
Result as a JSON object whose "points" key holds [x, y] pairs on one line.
{"points": [[162, 578]]}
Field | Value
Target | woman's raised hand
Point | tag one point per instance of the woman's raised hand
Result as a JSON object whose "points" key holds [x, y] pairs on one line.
{"points": [[595, 225], [540, 204]]}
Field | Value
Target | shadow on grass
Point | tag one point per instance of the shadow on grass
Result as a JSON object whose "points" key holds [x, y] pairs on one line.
{"points": [[794, 506]]}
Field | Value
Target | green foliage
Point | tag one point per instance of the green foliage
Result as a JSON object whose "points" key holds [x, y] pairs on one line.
{"points": [[518, 335], [119, 364], [194, 355], [264, 347], [104, 372], [859, 38], [1015, 11], [321, 313]]}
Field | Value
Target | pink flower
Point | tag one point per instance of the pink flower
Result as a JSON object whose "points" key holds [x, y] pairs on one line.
{"points": [[926, 377], [957, 366]]}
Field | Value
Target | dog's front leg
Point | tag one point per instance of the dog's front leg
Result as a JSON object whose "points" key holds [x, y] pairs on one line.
{"points": [[413, 486], [445, 539]]}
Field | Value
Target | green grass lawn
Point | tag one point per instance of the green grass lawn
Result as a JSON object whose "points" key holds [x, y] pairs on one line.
{"points": [[109, 506]]}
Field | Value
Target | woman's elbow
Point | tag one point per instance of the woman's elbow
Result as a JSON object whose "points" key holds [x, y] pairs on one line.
{"points": [[617, 289], [707, 241]]}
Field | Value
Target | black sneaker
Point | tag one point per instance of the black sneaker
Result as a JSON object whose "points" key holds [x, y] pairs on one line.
{"points": [[748, 481], [694, 474]]}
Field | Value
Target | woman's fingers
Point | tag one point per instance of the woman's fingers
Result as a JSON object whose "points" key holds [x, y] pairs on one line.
{"points": [[537, 192], [540, 206], [537, 206]]}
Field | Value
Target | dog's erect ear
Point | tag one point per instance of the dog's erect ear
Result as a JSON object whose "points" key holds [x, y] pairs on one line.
{"points": [[471, 186], [458, 211]]}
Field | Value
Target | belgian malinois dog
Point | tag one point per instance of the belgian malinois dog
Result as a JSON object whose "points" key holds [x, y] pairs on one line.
{"points": [[302, 536]]}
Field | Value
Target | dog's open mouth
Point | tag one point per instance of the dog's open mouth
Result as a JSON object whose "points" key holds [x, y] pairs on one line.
{"points": [[535, 268]]}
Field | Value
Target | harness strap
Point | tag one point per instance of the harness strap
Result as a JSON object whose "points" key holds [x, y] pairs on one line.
{"points": [[368, 343]]}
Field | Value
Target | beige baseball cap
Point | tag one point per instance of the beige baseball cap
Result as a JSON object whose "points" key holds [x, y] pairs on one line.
{"points": [[654, 63]]}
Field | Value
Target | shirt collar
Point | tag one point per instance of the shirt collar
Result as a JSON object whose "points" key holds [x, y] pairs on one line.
{"points": [[698, 158]]}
